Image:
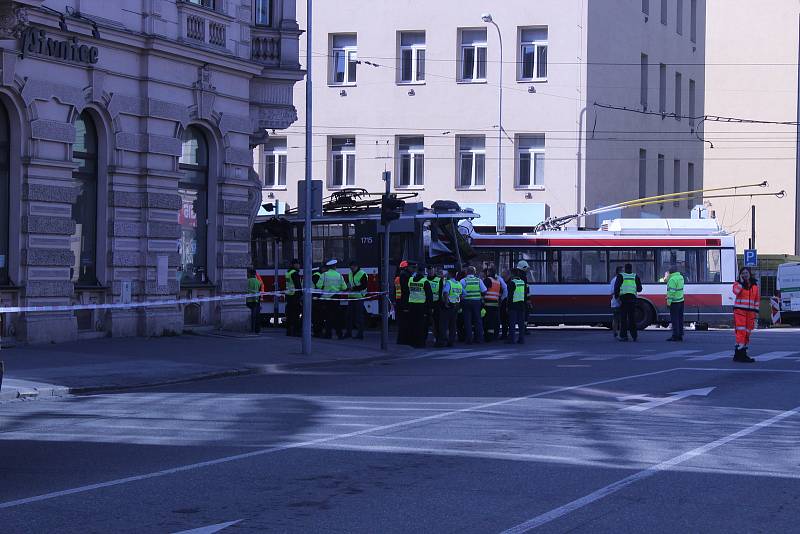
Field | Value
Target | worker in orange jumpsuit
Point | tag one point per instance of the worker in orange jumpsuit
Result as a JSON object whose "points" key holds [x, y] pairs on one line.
{"points": [[745, 312]]}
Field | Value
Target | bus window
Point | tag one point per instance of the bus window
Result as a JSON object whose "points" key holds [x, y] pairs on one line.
{"points": [[684, 260], [710, 266], [543, 266], [643, 262], [584, 267]]}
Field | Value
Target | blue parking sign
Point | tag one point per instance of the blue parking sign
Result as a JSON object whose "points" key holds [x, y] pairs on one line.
{"points": [[750, 258]]}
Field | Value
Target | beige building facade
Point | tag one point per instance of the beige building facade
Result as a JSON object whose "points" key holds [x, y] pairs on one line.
{"points": [[413, 87], [757, 81]]}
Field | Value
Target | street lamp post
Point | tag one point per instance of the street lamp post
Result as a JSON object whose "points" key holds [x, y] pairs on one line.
{"points": [[501, 208], [307, 236]]}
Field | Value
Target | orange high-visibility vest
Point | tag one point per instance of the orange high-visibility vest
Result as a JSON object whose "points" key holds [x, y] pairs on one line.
{"points": [[746, 299], [398, 292], [492, 295]]}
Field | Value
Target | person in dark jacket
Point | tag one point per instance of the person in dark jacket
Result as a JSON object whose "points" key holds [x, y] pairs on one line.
{"points": [[317, 316], [294, 295], [357, 286], [517, 306], [627, 286], [420, 298], [401, 303]]}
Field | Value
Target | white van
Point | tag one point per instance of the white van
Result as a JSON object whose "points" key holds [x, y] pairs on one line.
{"points": [[788, 291]]}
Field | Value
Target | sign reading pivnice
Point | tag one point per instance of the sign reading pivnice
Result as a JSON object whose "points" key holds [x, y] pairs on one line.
{"points": [[36, 41]]}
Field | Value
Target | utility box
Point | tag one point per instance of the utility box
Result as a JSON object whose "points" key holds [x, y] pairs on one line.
{"points": [[316, 198]]}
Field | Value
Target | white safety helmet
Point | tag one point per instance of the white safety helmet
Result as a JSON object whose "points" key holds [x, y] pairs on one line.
{"points": [[522, 265]]}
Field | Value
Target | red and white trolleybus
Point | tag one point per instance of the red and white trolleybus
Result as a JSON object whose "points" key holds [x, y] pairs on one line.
{"points": [[571, 271]]}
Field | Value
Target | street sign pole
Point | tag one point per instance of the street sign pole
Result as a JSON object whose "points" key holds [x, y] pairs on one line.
{"points": [[384, 302], [307, 237]]}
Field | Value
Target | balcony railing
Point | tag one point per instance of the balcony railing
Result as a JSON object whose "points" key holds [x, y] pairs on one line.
{"points": [[266, 49], [196, 28], [216, 34]]}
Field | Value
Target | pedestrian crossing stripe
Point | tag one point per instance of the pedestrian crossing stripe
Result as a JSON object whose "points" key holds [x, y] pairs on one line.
{"points": [[713, 356], [668, 355], [692, 355]]}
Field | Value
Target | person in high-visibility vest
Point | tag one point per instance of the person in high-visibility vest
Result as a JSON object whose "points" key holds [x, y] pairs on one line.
{"points": [[317, 308], [401, 302], [627, 286], [420, 298], [254, 287], [675, 299], [294, 288], [435, 280], [357, 283], [495, 288], [471, 305], [332, 285], [745, 312], [518, 306], [448, 312]]}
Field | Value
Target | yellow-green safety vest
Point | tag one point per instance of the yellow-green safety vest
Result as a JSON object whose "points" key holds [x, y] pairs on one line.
{"points": [[355, 279], [331, 282], [416, 291], [435, 282], [675, 285], [519, 291], [472, 291], [290, 289], [454, 291], [628, 286]]}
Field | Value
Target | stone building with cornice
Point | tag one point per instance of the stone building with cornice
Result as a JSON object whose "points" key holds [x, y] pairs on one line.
{"points": [[127, 131]]}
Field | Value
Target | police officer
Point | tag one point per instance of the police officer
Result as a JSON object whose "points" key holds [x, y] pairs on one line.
{"points": [[331, 283], [448, 312], [471, 305], [293, 295], [675, 299], [517, 305], [627, 286], [435, 281], [420, 298], [401, 303], [357, 283], [495, 288]]}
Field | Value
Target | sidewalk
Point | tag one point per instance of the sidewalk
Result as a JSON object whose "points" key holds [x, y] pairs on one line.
{"points": [[123, 363]]}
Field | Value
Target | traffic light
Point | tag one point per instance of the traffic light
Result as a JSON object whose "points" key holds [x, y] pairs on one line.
{"points": [[391, 207]]}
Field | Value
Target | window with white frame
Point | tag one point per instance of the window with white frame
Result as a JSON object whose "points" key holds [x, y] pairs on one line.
{"points": [[412, 57], [343, 161], [411, 162], [473, 55], [472, 162], [263, 12], [273, 162], [533, 54], [530, 161], [344, 59]]}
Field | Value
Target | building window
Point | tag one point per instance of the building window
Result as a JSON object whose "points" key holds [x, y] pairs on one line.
{"points": [[343, 162], [412, 57], [692, 109], [472, 162], [344, 58], [473, 55], [643, 81], [676, 180], [5, 193], [646, 7], [211, 4], [693, 20], [83, 241], [273, 166], [678, 96], [679, 19], [664, 8], [662, 88], [642, 173], [661, 163], [530, 161], [411, 159], [263, 12], [193, 217], [533, 54], [689, 183]]}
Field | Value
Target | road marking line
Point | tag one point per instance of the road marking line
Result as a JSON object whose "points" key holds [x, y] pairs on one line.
{"points": [[778, 354], [462, 355], [667, 355], [598, 357], [714, 356], [595, 496], [210, 529], [313, 442], [559, 356]]}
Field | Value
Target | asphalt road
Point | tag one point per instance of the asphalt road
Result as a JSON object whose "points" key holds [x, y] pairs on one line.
{"points": [[572, 432]]}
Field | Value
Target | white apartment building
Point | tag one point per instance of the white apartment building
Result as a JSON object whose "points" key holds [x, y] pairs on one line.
{"points": [[757, 81], [413, 87]]}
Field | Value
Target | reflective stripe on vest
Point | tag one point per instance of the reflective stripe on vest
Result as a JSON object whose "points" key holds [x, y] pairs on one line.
{"points": [[290, 283], [416, 291], [454, 291], [355, 279], [472, 291], [628, 286], [435, 282], [493, 293], [519, 290], [675, 288], [746, 299], [398, 292]]}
